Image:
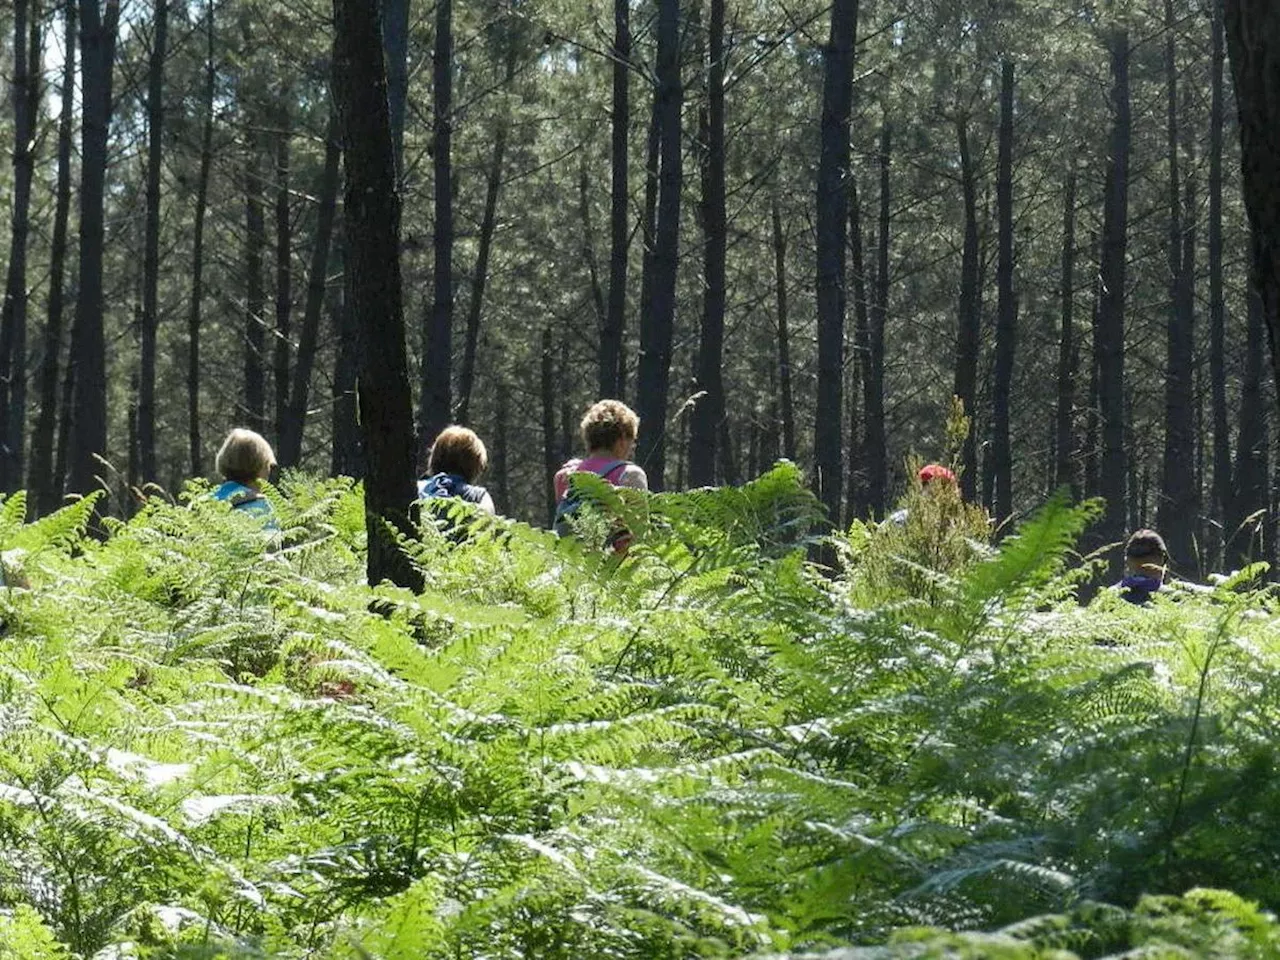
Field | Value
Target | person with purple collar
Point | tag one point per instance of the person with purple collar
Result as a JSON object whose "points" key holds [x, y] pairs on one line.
{"points": [[1146, 560]]}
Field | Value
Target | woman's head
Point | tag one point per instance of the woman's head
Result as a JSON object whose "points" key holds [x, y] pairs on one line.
{"points": [[609, 424], [245, 457], [458, 451]]}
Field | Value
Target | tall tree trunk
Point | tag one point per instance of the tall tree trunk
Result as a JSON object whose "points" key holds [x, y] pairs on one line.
{"points": [[1006, 308], [13, 315], [873, 385], [709, 412], [856, 492], [395, 41], [1093, 427], [43, 482], [1253, 39], [1111, 308], [657, 326], [146, 423], [284, 273], [480, 276], [611, 360], [832, 213], [372, 208], [88, 341], [290, 452], [969, 329], [1253, 446], [1064, 434], [501, 448], [648, 225], [1178, 507], [1221, 507], [437, 366], [197, 253], [550, 445], [255, 341], [348, 451], [784, 337]]}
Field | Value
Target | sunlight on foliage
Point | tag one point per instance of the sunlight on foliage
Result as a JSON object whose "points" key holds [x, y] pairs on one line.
{"points": [[217, 741]]}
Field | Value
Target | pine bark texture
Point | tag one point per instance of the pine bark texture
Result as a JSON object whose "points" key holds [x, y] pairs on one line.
{"points": [[1253, 39], [44, 483], [437, 366], [833, 204], [657, 325], [1006, 307], [612, 360], [707, 419], [88, 342], [372, 208], [1109, 342]]}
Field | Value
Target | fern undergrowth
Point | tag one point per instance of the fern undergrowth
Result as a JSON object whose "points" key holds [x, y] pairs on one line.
{"points": [[216, 742]]}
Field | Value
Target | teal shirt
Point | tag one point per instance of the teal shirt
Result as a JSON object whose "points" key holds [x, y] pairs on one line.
{"points": [[247, 500]]}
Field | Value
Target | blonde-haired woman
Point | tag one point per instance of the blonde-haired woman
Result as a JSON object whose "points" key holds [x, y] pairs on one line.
{"points": [[245, 460]]}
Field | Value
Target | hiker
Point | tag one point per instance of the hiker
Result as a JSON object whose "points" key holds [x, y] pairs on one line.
{"points": [[245, 460], [609, 430], [457, 460], [930, 474], [1146, 560]]}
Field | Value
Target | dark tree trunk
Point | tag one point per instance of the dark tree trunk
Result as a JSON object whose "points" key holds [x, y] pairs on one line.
{"points": [[1006, 308], [1221, 507], [395, 41], [284, 275], [480, 276], [1253, 38], [648, 225], [1179, 507], [348, 451], [1251, 469], [969, 332], [290, 452], [13, 315], [255, 397], [1093, 428], [705, 428], [89, 351], [550, 446], [372, 209], [657, 325], [197, 254], [612, 361], [437, 366], [501, 450], [877, 453], [856, 490], [44, 483], [146, 424], [1064, 434], [1111, 308], [832, 213], [784, 338]]}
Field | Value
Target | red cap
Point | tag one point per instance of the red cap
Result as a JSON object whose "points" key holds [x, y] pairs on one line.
{"points": [[935, 471]]}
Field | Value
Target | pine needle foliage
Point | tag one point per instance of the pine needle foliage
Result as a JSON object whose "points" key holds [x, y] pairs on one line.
{"points": [[218, 741]]}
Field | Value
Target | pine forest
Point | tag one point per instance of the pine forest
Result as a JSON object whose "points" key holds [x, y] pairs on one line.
{"points": [[915, 594]]}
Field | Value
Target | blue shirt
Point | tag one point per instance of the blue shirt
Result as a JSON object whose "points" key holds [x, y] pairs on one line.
{"points": [[247, 500]]}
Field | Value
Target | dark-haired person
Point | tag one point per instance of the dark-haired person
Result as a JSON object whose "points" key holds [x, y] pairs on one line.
{"points": [[609, 430], [245, 460], [1146, 561], [458, 459]]}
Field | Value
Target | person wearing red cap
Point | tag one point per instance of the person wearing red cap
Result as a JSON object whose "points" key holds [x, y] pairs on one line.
{"points": [[929, 474]]}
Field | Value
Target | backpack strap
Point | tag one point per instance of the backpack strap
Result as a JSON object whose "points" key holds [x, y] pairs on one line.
{"points": [[610, 468]]}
